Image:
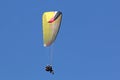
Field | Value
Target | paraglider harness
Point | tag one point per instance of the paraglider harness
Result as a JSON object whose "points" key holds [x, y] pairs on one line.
{"points": [[49, 69]]}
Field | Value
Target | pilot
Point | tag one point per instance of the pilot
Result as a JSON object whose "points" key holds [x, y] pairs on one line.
{"points": [[49, 69]]}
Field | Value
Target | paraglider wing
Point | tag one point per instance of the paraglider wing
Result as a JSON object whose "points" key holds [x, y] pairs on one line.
{"points": [[51, 23]]}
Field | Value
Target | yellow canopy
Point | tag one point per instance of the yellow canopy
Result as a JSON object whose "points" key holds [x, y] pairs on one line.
{"points": [[51, 24]]}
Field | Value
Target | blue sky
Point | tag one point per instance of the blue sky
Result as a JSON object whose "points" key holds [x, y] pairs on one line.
{"points": [[87, 46]]}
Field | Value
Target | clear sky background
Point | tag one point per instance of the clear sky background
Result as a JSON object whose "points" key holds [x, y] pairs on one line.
{"points": [[87, 46]]}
